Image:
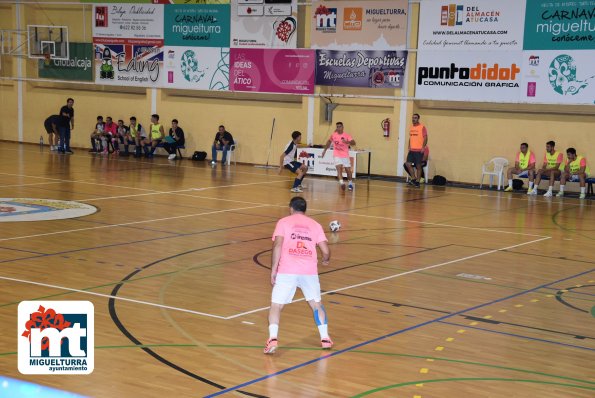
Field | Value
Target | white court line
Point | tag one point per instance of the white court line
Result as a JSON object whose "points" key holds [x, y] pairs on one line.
{"points": [[266, 308], [399, 275], [444, 225], [129, 223], [34, 183], [111, 296]]}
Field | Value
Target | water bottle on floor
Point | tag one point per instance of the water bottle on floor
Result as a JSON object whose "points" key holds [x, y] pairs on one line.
{"points": [[41, 141]]}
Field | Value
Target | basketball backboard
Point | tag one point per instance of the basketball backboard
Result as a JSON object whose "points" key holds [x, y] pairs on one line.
{"points": [[46, 40]]}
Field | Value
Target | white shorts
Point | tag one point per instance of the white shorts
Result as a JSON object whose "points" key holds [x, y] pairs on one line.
{"points": [[345, 162], [286, 285], [576, 178]]}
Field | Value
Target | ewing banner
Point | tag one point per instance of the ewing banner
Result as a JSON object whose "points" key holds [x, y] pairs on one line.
{"points": [[469, 76], [369, 25], [478, 25], [377, 69], [128, 64]]}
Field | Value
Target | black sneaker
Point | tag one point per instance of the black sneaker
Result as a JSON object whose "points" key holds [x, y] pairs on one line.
{"points": [[416, 184], [69, 152], [411, 182]]}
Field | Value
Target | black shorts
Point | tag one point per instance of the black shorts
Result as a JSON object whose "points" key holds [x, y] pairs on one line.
{"points": [[415, 158], [293, 166], [48, 128]]}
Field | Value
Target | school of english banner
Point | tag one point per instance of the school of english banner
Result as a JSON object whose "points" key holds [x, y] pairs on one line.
{"points": [[272, 70], [264, 23], [196, 68], [558, 77], [376, 69], [469, 76], [78, 66], [566, 25], [197, 25], [474, 25], [369, 25], [128, 65]]}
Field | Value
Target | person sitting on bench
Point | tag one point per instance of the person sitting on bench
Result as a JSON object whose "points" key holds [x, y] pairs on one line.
{"points": [[524, 167], [174, 140], [576, 170]]}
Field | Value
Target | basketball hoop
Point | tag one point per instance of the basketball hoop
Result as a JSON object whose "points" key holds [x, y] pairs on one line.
{"points": [[46, 59]]}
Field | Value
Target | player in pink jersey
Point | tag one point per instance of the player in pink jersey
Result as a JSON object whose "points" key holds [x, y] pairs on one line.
{"points": [[341, 142], [295, 264]]}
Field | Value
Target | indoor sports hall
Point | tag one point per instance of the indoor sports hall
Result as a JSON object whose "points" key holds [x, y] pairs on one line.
{"points": [[128, 276]]}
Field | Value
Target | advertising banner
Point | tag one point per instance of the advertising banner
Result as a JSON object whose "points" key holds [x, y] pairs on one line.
{"points": [[264, 23], [469, 76], [478, 25], [324, 166], [197, 25], [567, 25], [128, 64], [128, 24], [376, 69], [78, 66], [558, 77], [196, 68], [369, 25], [272, 71]]}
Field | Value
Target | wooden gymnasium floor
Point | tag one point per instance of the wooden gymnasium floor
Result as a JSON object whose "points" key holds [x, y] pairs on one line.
{"points": [[433, 292]]}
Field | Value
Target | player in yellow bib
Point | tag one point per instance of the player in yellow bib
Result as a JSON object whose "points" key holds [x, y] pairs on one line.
{"points": [[552, 166], [576, 170], [524, 167], [156, 134]]}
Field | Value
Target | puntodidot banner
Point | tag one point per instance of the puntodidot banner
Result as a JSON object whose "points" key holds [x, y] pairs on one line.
{"points": [[198, 25], [264, 23], [272, 70], [78, 66], [567, 25], [128, 64], [469, 76], [558, 77], [478, 25], [128, 24], [196, 68], [369, 25], [377, 69]]}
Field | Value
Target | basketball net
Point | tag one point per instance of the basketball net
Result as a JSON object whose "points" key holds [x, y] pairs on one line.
{"points": [[46, 59]]}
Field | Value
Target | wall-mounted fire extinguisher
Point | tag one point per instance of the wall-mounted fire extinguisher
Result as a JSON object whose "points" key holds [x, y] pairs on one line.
{"points": [[385, 127]]}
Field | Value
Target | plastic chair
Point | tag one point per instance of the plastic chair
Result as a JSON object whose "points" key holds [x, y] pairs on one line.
{"points": [[494, 168], [231, 152]]}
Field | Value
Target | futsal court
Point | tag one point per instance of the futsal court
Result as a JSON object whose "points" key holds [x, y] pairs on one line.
{"points": [[431, 292]]}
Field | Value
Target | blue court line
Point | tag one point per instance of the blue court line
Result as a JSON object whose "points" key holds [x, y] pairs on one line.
{"points": [[21, 250], [356, 346], [519, 335]]}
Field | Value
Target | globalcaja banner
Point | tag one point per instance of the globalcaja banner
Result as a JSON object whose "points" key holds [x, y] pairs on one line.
{"points": [[368, 25], [128, 64], [78, 66], [196, 68], [479, 25], [376, 69], [264, 23], [469, 76], [272, 70], [566, 25], [558, 77], [197, 25]]}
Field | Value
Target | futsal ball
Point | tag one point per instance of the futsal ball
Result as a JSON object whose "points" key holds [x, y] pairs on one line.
{"points": [[335, 225]]}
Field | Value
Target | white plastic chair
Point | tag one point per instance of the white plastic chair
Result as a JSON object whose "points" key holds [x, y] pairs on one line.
{"points": [[494, 168], [231, 152]]}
